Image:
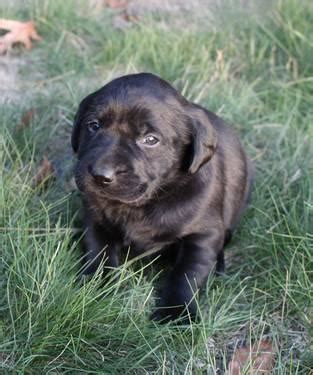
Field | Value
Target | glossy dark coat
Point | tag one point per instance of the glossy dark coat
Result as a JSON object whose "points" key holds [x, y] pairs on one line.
{"points": [[185, 193]]}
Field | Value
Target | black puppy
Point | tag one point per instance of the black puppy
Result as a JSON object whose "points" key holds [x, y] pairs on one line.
{"points": [[158, 171]]}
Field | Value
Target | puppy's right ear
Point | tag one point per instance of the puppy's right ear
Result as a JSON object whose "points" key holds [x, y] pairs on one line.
{"points": [[76, 132]]}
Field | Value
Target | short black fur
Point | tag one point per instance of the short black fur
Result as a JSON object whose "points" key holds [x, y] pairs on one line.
{"points": [[157, 171]]}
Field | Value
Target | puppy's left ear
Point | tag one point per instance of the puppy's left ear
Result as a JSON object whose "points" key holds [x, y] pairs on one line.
{"points": [[204, 139]]}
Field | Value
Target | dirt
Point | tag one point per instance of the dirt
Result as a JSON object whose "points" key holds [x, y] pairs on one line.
{"points": [[181, 13], [9, 79]]}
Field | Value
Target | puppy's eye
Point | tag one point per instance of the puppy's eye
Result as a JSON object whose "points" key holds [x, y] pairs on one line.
{"points": [[150, 140], [93, 126]]}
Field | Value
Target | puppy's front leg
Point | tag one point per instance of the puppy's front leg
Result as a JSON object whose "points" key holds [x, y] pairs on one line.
{"points": [[196, 260], [99, 246]]}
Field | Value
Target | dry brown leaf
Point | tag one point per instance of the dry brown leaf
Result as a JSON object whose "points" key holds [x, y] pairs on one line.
{"points": [[258, 359], [18, 32], [26, 119], [44, 172], [129, 17], [116, 4], [124, 20]]}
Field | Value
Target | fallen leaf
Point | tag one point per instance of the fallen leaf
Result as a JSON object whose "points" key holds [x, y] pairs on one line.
{"points": [[258, 359], [26, 119], [115, 4], [18, 32], [44, 172], [129, 17], [124, 20]]}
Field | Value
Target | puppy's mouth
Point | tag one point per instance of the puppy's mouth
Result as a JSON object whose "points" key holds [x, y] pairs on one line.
{"points": [[135, 198], [127, 193]]}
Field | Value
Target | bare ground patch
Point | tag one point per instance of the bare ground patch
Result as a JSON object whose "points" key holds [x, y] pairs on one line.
{"points": [[10, 81]]}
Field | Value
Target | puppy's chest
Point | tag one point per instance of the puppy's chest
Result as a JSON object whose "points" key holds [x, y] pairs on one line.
{"points": [[142, 231]]}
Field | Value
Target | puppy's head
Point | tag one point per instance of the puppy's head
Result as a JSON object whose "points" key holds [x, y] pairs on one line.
{"points": [[135, 136]]}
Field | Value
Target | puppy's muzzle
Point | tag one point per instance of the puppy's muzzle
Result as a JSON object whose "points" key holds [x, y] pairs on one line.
{"points": [[102, 175]]}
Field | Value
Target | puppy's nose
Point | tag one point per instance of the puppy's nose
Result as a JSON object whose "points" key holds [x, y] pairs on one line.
{"points": [[102, 175]]}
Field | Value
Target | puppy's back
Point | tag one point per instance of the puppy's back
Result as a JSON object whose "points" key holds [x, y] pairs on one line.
{"points": [[235, 171]]}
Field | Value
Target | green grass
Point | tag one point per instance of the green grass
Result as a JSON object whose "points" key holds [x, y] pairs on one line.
{"points": [[262, 84]]}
